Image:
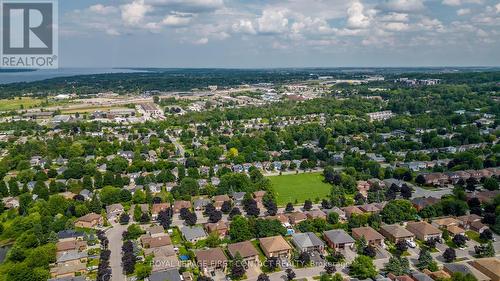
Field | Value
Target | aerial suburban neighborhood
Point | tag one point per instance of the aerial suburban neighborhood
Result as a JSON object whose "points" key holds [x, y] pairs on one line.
{"points": [[344, 183], [230, 140]]}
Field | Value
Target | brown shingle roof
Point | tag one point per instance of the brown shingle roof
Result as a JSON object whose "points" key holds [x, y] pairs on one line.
{"points": [[367, 232], [423, 228], [274, 244], [211, 257], [89, 217], [489, 267], [245, 248], [156, 208], [396, 231], [221, 198]]}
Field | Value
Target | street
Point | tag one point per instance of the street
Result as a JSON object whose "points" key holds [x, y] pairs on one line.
{"points": [[114, 235], [421, 192]]}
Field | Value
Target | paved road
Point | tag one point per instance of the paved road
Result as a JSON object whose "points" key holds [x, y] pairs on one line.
{"points": [[114, 235], [178, 146], [421, 192]]}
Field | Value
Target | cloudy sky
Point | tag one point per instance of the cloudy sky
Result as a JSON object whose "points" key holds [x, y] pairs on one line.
{"points": [[272, 33]]}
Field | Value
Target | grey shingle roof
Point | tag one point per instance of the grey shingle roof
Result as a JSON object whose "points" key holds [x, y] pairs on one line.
{"points": [[339, 236], [305, 240], [170, 275], [191, 233]]}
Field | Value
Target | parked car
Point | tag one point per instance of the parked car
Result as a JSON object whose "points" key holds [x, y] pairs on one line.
{"points": [[411, 244]]}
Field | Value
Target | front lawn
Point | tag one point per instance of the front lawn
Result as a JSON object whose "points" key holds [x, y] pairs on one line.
{"points": [[299, 187]]}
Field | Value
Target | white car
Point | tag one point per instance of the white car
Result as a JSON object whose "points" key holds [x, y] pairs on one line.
{"points": [[411, 244]]}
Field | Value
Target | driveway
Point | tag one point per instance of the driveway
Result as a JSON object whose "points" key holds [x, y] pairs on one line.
{"points": [[114, 236]]}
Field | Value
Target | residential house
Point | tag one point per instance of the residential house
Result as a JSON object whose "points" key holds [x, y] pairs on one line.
{"points": [[281, 218], [68, 270], [421, 202], [464, 269], [71, 256], [246, 250], [363, 187], [180, 204], [71, 245], [156, 231], [455, 230], [199, 204], [420, 276], [478, 226], [316, 214], [467, 220], [340, 212], [296, 217], [372, 208], [450, 224], [371, 236], [211, 261], [219, 200], [437, 179], [275, 246], [10, 202], [75, 278], [114, 211], [171, 274], [193, 234], [396, 233], [70, 235], [338, 239], [91, 220], [351, 210], [442, 223], [87, 195], [148, 241], [220, 227], [308, 242], [423, 230], [157, 208], [238, 198], [489, 267]]}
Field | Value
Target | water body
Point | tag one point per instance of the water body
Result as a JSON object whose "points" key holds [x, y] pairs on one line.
{"points": [[42, 74]]}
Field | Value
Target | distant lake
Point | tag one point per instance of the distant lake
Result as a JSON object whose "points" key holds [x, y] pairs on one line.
{"points": [[37, 75]]}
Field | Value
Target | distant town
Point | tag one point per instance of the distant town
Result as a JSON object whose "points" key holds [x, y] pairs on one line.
{"points": [[299, 175]]}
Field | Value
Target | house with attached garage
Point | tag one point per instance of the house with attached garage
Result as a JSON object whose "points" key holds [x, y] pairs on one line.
{"points": [[308, 242]]}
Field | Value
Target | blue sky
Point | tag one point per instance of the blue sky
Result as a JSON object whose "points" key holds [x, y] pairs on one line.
{"points": [[295, 33]]}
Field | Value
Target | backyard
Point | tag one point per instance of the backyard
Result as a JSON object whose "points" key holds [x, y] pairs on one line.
{"points": [[299, 187]]}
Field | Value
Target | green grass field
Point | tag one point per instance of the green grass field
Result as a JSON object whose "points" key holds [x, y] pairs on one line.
{"points": [[299, 187], [16, 103]]}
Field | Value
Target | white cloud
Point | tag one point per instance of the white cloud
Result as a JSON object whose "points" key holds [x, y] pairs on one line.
{"points": [[431, 24], [102, 10], [356, 19], [497, 8], [133, 13], [461, 2], [273, 21], [396, 26], [398, 17], [244, 26], [463, 12], [190, 5], [177, 19], [201, 41], [404, 5]]}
